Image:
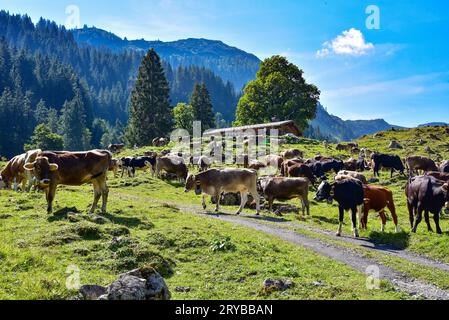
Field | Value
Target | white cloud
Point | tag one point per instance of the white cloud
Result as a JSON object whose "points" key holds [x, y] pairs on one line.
{"points": [[350, 42]]}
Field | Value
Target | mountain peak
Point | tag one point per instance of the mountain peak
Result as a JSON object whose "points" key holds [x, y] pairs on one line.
{"points": [[230, 63]]}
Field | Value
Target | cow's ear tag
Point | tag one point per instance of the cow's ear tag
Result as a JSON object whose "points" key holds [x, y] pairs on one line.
{"points": [[445, 187]]}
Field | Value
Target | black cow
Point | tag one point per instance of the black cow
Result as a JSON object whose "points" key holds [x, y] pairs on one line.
{"points": [[426, 194], [142, 163], [349, 195], [329, 165], [388, 161], [316, 168]]}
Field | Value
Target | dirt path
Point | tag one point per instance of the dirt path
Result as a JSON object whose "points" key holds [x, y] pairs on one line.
{"points": [[412, 286]]}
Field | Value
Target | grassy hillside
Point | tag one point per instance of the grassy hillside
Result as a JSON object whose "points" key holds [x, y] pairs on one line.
{"points": [[146, 224]]}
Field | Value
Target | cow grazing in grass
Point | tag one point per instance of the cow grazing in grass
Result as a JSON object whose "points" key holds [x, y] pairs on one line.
{"points": [[72, 169], [388, 161], [171, 165], [214, 182], [349, 195], [416, 163], [286, 189], [14, 174], [377, 199], [429, 195]]}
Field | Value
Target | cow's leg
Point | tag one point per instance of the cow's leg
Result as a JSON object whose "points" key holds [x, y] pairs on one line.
{"points": [[104, 194], [307, 204], [204, 201], [427, 219], [218, 195], [436, 218], [50, 194], [354, 221], [383, 218], [418, 218], [411, 214], [392, 171], [256, 197], [270, 204], [341, 217], [29, 178], [244, 200], [97, 196]]}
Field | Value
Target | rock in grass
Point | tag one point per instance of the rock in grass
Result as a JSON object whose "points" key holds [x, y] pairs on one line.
{"points": [[92, 292], [270, 285], [140, 284]]}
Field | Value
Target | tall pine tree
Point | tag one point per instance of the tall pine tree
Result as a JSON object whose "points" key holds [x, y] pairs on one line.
{"points": [[202, 106], [150, 115]]}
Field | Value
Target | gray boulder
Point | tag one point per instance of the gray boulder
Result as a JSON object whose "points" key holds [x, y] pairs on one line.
{"points": [[140, 284]]}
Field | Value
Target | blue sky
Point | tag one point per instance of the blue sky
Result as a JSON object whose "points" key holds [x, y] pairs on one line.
{"points": [[399, 71]]}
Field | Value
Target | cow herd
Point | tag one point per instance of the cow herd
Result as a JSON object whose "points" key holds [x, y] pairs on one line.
{"points": [[290, 176]]}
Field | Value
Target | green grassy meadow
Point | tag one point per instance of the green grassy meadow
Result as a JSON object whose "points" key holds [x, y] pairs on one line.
{"points": [[216, 260]]}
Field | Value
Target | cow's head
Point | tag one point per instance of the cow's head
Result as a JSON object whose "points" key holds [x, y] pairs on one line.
{"points": [[325, 192], [42, 170], [193, 183]]}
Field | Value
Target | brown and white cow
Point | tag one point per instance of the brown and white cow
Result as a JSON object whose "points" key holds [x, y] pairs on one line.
{"points": [[415, 163], [14, 173], [377, 199], [280, 188], [214, 182], [172, 165], [72, 169]]}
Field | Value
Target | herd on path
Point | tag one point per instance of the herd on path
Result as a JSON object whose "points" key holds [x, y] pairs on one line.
{"points": [[291, 176]]}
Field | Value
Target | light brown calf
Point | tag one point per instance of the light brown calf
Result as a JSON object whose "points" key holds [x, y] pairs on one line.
{"points": [[214, 182]]}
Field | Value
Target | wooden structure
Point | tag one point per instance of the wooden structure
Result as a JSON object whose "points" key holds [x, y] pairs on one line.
{"points": [[284, 127]]}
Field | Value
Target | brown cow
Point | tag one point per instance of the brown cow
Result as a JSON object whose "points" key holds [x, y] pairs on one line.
{"points": [[73, 169], [256, 165], [377, 199], [173, 165], [292, 154], [415, 163], [301, 170], [350, 165], [213, 182], [286, 189], [289, 163]]}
